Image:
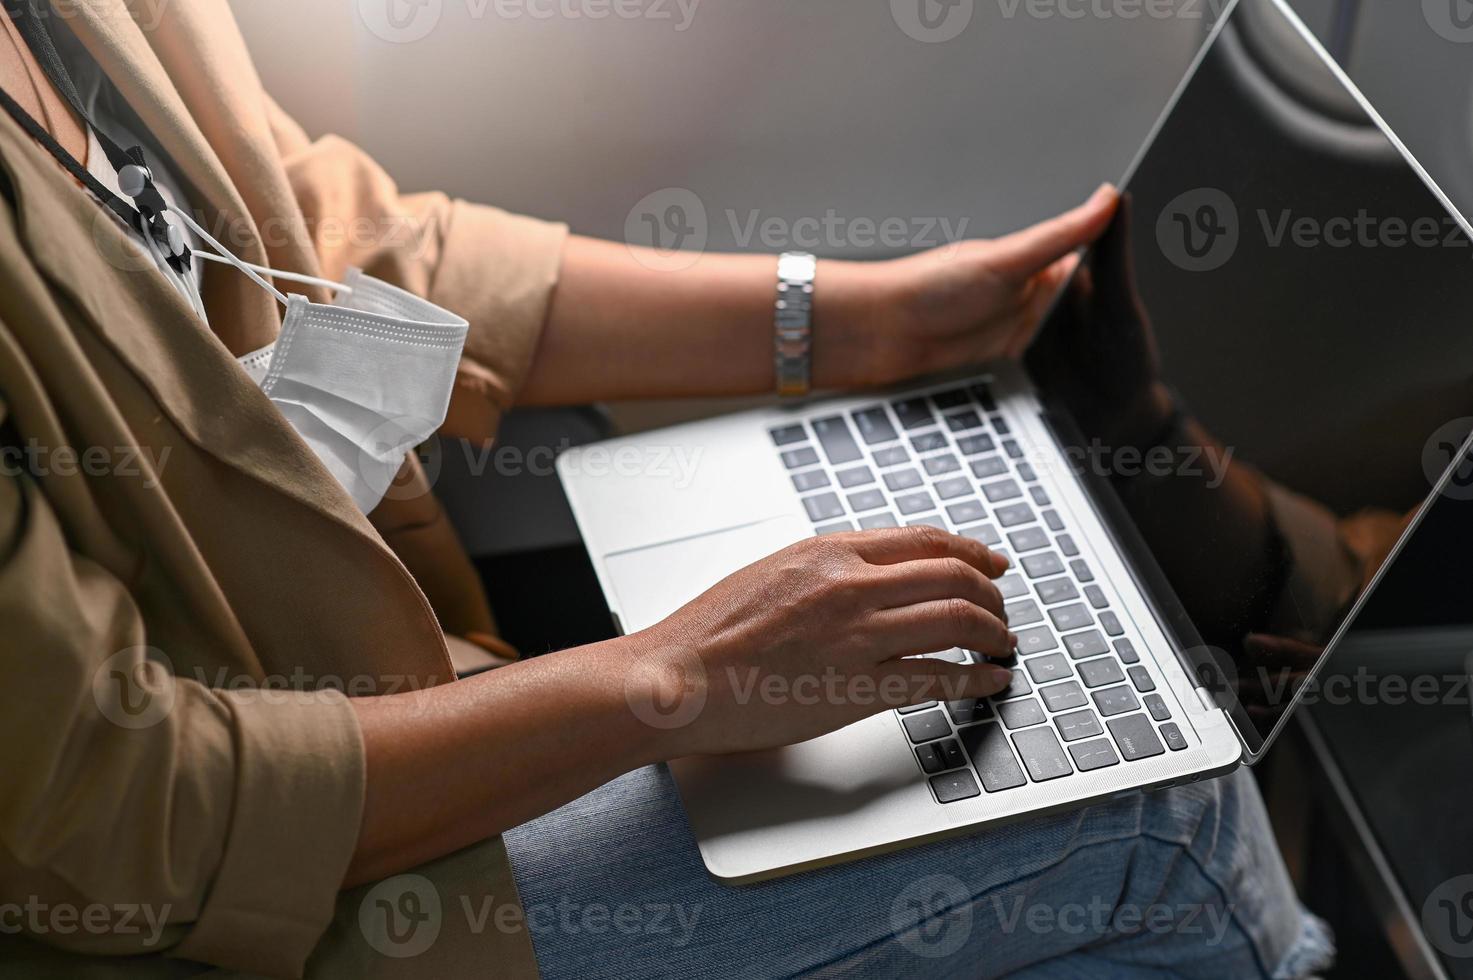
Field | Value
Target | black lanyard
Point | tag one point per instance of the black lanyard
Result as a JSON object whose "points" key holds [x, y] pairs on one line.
{"points": [[146, 213]]}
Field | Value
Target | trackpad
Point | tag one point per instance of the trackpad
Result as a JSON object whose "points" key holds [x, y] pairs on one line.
{"points": [[652, 582]]}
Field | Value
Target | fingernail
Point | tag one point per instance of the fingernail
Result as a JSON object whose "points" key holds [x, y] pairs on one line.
{"points": [[1000, 562], [1001, 676]]}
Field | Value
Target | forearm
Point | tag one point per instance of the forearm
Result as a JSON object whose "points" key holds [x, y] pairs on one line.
{"points": [[453, 765], [619, 328]]}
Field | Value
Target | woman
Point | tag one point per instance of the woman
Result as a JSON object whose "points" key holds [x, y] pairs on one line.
{"points": [[186, 612]]}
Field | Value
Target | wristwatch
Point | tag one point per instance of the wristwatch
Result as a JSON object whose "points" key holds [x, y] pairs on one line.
{"points": [[793, 321]]}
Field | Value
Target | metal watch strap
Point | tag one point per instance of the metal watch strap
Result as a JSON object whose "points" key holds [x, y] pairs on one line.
{"points": [[793, 336]]}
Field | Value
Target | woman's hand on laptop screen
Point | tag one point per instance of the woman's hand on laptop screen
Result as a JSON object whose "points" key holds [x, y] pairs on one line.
{"points": [[815, 637], [966, 303]]}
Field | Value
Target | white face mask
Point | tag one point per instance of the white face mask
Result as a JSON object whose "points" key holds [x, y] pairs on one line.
{"points": [[363, 380]]}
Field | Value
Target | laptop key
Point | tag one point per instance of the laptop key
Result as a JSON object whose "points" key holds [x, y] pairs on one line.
{"points": [[954, 786], [1053, 667], [969, 711], [952, 754], [1025, 470], [891, 456], [950, 489], [1052, 590], [866, 500], [1040, 496], [929, 756], [837, 441], [913, 413], [1063, 697], [925, 726], [898, 480], [875, 522], [1013, 450], [928, 442], [1002, 490], [966, 512], [1071, 617], [909, 709], [1042, 754], [1018, 687], [1101, 671], [1111, 623], [1028, 539], [1096, 596], [1042, 566], [914, 503], [1157, 707], [874, 425], [962, 421], [985, 533], [1097, 754], [1077, 725], [856, 477], [1039, 639], [1000, 424], [810, 480], [976, 445], [824, 507], [988, 467], [796, 459], [941, 465], [1053, 520], [1067, 546], [1125, 650], [1115, 701], [993, 757], [1011, 515], [1021, 713], [1011, 586], [983, 394], [1175, 740], [838, 527], [788, 434], [1141, 678], [1087, 644], [1136, 737], [1081, 571], [952, 398], [1023, 612]]}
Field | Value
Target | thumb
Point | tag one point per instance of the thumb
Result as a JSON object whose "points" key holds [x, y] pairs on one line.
{"points": [[1026, 253], [918, 680]]}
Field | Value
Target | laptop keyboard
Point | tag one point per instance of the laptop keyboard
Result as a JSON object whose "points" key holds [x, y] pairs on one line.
{"points": [[1081, 698]]}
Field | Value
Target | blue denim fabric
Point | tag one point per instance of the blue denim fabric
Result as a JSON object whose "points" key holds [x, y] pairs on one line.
{"points": [[1181, 883]]}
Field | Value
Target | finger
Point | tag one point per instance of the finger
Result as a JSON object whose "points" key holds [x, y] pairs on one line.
{"points": [[1028, 319], [908, 682], [912, 582], [894, 545], [1028, 252], [937, 625]]}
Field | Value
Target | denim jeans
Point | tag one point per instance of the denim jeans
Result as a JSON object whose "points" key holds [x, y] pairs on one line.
{"points": [[1186, 882]]}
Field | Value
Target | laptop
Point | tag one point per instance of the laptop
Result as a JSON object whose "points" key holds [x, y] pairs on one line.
{"points": [[1266, 261]]}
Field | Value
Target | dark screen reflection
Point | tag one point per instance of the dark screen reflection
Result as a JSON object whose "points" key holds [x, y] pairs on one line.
{"points": [[1264, 364]]}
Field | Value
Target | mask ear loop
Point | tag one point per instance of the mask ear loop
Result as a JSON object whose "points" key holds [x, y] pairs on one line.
{"points": [[186, 278], [253, 271]]}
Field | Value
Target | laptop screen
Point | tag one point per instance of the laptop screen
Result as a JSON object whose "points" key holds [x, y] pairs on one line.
{"points": [[1265, 366]]}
